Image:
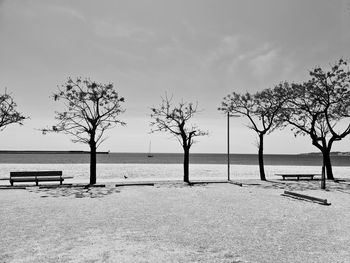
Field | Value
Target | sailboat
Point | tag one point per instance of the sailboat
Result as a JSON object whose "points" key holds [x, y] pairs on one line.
{"points": [[150, 155]]}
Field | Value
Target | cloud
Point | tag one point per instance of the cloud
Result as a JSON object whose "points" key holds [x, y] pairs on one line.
{"points": [[70, 12], [247, 63], [229, 49], [109, 29], [238, 51], [264, 63], [174, 49]]}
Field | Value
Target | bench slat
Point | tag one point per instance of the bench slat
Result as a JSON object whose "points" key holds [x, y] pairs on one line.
{"points": [[30, 179], [50, 179], [293, 175], [36, 178], [39, 179]]}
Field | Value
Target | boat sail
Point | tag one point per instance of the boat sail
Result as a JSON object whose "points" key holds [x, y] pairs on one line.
{"points": [[150, 155]]}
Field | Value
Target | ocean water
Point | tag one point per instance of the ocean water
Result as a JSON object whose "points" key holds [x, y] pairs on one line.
{"points": [[137, 166], [169, 158]]}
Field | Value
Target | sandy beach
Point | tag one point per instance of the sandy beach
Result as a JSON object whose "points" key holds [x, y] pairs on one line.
{"points": [[174, 222]]}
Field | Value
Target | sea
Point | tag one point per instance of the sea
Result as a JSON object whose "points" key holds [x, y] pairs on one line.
{"points": [[121, 167]]}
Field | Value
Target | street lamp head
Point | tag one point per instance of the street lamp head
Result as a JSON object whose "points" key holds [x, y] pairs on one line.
{"points": [[233, 115]]}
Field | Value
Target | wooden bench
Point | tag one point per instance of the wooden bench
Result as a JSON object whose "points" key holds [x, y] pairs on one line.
{"points": [[36, 176], [298, 176]]}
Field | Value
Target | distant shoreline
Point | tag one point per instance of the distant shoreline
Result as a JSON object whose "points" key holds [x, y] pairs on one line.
{"points": [[49, 152], [108, 152], [332, 153]]}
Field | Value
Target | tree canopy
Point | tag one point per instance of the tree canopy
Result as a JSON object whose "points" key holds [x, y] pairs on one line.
{"points": [[91, 109], [260, 108], [8, 111], [175, 120]]}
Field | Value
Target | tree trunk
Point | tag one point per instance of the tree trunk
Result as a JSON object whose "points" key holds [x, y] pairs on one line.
{"points": [[92, 163], [261, 157], [186, 164], [328, 164]]}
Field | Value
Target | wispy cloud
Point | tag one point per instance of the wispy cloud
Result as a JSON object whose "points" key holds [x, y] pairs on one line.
{"points": [[245, 57], [70, 12], [228, 50], [265, 62], [110, 29], [175, 49]]}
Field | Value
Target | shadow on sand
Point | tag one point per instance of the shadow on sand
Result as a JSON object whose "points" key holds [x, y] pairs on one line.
{"points": [[74, 191], [342, 185]]}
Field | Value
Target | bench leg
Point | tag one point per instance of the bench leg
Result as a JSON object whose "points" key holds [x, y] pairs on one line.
{"points": [[11, 182], [36, 182]]}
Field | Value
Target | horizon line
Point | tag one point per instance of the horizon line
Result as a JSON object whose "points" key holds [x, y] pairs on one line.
{"points": [[108, 152]]}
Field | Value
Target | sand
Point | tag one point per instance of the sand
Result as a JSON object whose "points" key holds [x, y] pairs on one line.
{"points": [[176, 223]]}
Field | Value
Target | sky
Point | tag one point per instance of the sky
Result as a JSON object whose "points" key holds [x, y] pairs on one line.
{"points": [[196, 50]]}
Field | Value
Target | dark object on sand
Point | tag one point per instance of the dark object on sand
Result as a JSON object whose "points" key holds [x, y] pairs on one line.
{"points": [[36, 176], [298, 176], [135, 184], [306, 197]]}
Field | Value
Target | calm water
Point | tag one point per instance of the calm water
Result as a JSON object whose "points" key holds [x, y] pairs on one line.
{"points": [[137, 166], [171, 158]]}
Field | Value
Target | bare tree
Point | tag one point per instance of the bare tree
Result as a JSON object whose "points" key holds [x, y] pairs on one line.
{"points": [[8, 112], [319, 107], [174, 119], [262, 110], [91, 109]]}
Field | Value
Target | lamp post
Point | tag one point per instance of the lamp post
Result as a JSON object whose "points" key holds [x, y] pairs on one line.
{"points": [[323, 176], [228, 143]]}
